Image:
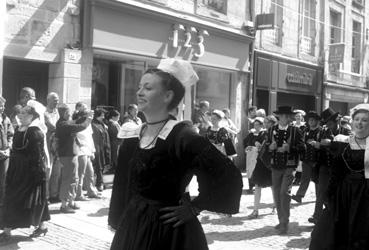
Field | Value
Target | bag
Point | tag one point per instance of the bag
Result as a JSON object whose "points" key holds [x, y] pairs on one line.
{"points": [[229, 147], [265, 155]]}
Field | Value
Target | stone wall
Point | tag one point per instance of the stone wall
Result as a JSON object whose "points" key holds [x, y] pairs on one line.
{"points": [[39, 29]]}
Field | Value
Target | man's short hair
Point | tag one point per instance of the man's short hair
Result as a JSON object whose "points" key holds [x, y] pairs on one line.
{"points": [[204, 104], [252, 108], [27, 91], [62, 108]]}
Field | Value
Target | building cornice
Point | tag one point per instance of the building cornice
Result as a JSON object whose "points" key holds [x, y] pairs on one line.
{"points": [[168, 14], [346, 87]]}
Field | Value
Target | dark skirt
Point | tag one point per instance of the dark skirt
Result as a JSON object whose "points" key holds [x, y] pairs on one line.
{"points": [[141, 229], [25, 201], [262, 176], [345, 225]]}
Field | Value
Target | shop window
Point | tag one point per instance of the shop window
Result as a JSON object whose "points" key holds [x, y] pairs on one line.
{"points": [[212, 8], [277, 8], [214, 87], [309, 29], [356, 47]]}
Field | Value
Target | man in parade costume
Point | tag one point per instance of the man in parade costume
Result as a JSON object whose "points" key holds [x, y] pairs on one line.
{"points": [[331, 120], [286, 144], [312, 142]]}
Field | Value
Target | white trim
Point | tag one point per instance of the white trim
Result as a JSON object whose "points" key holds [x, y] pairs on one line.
{"points": [[167, 129]]}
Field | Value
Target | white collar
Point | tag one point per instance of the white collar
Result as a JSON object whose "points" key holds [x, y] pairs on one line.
{"points": [[282, 128]]}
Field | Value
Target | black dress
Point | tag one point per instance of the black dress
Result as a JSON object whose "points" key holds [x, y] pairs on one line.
{"points": [[344, 225], [149, 179], [25, 194], [262, 175]]}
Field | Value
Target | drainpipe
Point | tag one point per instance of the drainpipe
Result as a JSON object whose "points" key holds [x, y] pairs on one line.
{"points": [[2, 41]]}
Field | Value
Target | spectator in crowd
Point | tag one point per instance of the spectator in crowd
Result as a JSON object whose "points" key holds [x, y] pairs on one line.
{"points": [[345, 122], [131, 115], [25, 95], [229, 124], [299, 123], [84, 148], [25, 202], [51, 117], [14, 117], [65, 132], [113, 129], [102, 146], [251, 115], [200, 118], [6, 134]]}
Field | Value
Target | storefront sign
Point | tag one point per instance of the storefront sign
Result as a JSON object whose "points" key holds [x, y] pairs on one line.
{"points": [[336, 53], [300, 78], [186, 33], [265, 21]]}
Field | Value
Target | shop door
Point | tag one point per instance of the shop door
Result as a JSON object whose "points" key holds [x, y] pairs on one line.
{"points": [[131, 75], [19, 74]]}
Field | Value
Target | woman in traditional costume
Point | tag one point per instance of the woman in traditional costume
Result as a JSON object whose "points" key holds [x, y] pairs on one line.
{"points": [[149, 207], [344, 223]]}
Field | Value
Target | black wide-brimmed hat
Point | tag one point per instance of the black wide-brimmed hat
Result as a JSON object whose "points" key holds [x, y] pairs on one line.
{"points": [[312, 114], [329, 115], [285, 110]]}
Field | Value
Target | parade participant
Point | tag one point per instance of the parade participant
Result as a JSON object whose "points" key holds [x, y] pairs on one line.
{"points": [[219, 136], [65, 132], [251, 115], [311, 137], [330, 118], [102, 159], [300, 123], [286, 144], [200, 118], [131, 115], [6, 135], [149, 209], [51, 117], [261, 175], [25, 202], [344, 223]]}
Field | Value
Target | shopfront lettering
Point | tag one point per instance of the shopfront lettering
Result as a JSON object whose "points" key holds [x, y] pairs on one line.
{"points": [[300, 78], [187, 40]]}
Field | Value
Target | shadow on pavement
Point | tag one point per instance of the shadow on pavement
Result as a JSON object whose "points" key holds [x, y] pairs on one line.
{"points": [[302, 243], [100, 213], [262, 206], [294, 230], [229, 221], [294, 204], [14, 240]]}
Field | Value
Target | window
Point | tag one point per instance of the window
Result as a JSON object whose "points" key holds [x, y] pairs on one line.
{"points": [[335, 27], [212, 8], [277, 9], [309, 29], [356, 47]]}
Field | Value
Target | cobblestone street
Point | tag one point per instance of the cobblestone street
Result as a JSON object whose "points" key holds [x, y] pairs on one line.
{"points": [[87, 228]]}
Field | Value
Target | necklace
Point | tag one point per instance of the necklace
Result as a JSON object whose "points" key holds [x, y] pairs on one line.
{"points": [[155, 137], [358, 142], [153, 123], [361, 138]]}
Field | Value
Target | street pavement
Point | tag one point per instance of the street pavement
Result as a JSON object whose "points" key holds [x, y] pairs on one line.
{"points": [[87, 229]]}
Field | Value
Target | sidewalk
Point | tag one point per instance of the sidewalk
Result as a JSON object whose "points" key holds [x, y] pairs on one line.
{"points": [[87, 229]]}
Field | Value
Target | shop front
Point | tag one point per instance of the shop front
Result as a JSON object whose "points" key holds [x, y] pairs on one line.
{"points": [[279, 81], [126, 40]]}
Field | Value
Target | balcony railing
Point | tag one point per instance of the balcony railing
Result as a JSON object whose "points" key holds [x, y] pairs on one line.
{"points": [[347, 78], [306, 45], [274, 35]]}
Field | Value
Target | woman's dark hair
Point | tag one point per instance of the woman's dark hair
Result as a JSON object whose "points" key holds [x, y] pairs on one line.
{"points": [[170, 83], [113, 113], [98, 112]]}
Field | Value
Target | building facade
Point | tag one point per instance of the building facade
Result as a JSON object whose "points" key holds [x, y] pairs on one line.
{"points": [[346, 80], [288, 65], [41, 49]]}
